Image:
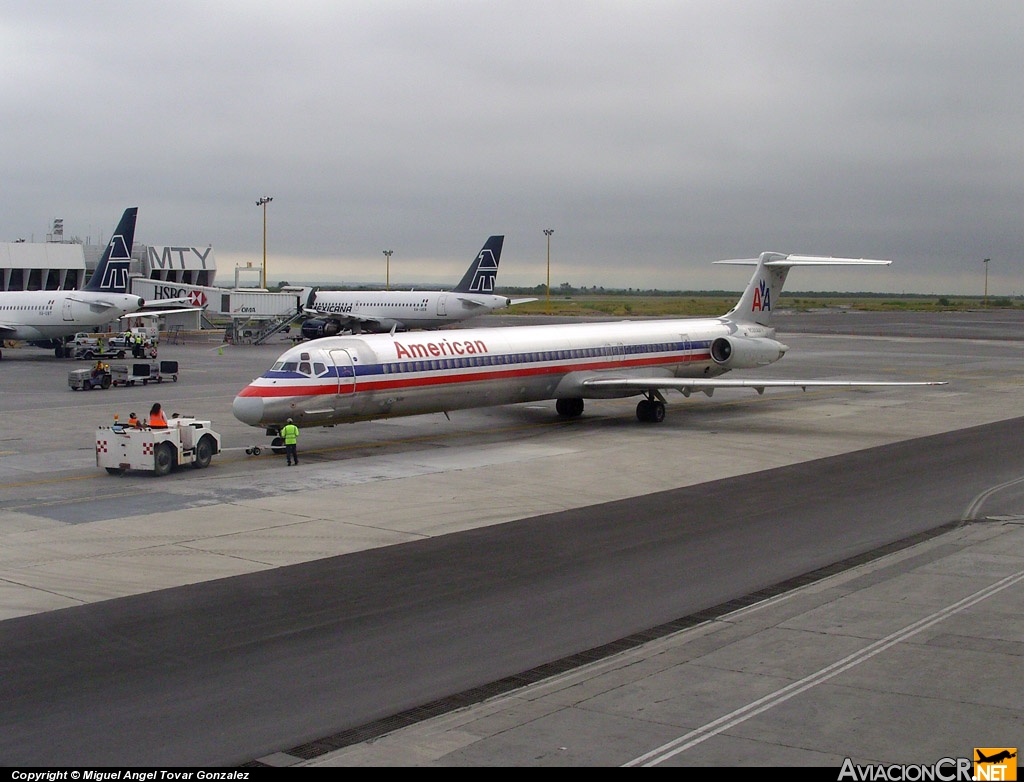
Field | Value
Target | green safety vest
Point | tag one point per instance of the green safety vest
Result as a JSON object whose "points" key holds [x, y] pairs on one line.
{"points": [[290, 433]]}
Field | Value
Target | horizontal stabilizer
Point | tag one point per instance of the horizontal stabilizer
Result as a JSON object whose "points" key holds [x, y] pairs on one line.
{"points": [[778, 259]]}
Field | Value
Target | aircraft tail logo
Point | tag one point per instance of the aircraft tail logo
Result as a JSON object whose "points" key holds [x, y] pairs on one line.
{"points": [[755, 305], [482, 273], [111, 275], [762, 298]]}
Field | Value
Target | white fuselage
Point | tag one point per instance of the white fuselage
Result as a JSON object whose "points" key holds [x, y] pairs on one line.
{"points": [[407, 309], [341, 379], [46, 315]]}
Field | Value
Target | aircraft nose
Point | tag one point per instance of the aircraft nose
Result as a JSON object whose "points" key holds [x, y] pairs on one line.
{"points": [[248, 409]]}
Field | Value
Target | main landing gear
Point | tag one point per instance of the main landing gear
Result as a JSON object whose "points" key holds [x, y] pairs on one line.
{"points": [[649, 411]]}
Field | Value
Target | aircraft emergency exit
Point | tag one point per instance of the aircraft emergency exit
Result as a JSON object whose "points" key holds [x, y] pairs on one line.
{"points": [[343, 379]]}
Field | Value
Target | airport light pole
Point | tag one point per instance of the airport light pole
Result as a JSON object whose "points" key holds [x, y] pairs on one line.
{"points": [[387, 268], [985, 261], [263, 202], [547, 233]]}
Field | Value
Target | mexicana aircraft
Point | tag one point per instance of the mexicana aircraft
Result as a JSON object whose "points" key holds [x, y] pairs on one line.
{"points": [[385, 311], [45, 318], [343, 379]]}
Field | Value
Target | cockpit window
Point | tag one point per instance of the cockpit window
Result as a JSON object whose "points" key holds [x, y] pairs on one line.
{"points": [[304, 367], [289, 366], [277, 367], [319, 368]]}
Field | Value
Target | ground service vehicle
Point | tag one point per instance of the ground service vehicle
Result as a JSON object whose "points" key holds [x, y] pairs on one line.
{"points": [[186, 440], [88, 379], [144, 372]]}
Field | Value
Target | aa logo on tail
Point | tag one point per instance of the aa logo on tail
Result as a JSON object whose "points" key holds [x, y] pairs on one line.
{"points": [[486, 272], [762, 298]]}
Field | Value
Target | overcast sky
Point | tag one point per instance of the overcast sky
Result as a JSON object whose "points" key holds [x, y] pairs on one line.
{"points": [[654, 137]]}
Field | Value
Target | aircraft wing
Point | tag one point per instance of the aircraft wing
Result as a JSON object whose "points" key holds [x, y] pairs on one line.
{"points": [[182, 302], [687, 385], [347, 318], [94, 304], [144, 313], [514, 302], [470, 301], [7, 331]]}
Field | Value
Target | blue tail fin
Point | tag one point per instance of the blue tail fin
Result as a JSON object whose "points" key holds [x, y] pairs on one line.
{"points": [[484, 269], [111, 275]]}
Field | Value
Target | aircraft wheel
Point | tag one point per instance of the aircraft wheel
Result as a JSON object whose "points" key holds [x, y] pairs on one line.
{"points": [[650, 411], [163, 459], [569, 408], [277, 445]]}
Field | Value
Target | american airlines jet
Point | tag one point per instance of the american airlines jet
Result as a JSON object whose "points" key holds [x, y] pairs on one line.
{"points": [[343, 379], [44, 318], [384, 311]]}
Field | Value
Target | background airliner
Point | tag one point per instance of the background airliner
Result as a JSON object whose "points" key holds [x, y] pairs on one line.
{"points": [[342, 379], [44, 318], [384, 311]]}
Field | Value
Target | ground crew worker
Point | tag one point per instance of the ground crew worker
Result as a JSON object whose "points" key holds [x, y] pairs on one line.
{"points": [[156, 417], [290, 433], [133, 421]]}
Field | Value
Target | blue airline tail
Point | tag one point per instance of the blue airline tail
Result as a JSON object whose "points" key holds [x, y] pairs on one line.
{"points": [[483, 271], [111, 275]]}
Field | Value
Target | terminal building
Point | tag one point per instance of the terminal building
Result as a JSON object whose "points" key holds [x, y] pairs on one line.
{"points": [[158, 272]]}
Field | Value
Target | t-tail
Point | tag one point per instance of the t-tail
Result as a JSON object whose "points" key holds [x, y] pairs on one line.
{"points": [[111, 275], [762, 292], [484, 269]]}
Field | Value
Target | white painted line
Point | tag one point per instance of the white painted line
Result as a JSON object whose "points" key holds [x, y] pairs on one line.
{"points": [[723, 723]]}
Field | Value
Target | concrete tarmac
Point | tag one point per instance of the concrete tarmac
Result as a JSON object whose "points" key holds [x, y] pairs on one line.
{"points": [[71, 537]]}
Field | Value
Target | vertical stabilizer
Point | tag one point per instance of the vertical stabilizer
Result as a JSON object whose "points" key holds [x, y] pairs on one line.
{"points": [[111, 275], [761, 296], [755, 305], [480, 276]]}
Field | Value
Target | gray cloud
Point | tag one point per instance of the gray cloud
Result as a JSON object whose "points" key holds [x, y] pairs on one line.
{"points": [[654, 137]]}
